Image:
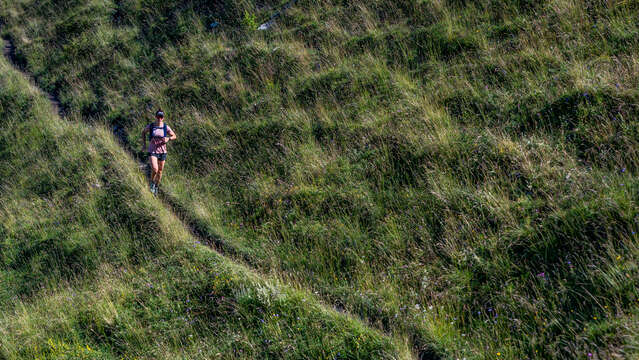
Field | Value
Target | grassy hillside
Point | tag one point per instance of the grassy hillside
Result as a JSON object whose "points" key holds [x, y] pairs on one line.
{"points": [[459, 174], [92, 267]]}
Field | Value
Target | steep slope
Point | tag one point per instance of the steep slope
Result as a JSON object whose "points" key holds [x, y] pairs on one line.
{"points": [[461, 174], [91, 266]]}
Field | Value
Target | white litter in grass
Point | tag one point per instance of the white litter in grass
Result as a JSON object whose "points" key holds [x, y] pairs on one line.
{"points": [[267, 25]]}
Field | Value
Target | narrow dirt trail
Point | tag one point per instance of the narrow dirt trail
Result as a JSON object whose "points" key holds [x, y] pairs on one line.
{"points": [[196, 228]]}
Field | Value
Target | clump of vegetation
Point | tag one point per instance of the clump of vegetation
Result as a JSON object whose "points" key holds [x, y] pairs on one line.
{"points": [[459, 174]]}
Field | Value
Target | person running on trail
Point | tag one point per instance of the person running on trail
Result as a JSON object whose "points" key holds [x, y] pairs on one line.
{"points": [[159, 135]]}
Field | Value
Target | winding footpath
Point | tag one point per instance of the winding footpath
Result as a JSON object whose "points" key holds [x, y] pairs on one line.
{"points": [[198, 230]]}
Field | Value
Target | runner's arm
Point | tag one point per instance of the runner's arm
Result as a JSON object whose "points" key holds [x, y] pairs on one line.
{"points": [[172, 135]]}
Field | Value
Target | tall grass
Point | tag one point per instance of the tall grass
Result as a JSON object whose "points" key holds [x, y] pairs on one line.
{"points": [[460, 174], [92, 267]]}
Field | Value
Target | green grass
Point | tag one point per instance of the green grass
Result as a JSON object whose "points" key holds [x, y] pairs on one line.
{"points": [[461, 175], [93, 267]]}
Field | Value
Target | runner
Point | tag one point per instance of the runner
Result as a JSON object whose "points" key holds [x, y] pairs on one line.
{"points": [[159, 135]]}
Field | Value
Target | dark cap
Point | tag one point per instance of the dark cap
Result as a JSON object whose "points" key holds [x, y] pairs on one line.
{"points": [[159, 114]]}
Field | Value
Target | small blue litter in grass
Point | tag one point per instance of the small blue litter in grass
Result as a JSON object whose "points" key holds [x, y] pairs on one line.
{"points": [[214, 25]]}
